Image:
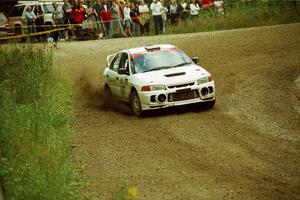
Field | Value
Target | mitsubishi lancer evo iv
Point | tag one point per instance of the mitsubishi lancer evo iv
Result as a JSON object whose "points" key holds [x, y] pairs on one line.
{"points": [[155, 77]]}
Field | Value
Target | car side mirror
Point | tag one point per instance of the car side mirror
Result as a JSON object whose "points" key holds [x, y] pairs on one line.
{"points": [[123, 71], [195, 59]]}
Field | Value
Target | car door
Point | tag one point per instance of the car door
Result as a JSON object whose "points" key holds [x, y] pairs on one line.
{"points": [[112, 75], [122, 76]]}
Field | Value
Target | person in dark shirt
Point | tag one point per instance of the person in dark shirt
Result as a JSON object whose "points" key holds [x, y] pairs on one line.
{"points": [[39, 22]]}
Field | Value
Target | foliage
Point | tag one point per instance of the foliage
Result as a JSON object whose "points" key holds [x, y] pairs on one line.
{"points": [[239, 14], [36, 123]]}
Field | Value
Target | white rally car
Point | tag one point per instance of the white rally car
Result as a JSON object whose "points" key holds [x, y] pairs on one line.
{"points": [[156, 76]]}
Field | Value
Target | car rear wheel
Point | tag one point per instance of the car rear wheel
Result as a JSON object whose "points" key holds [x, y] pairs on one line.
{"points": [[136, 104], [107, 95]]}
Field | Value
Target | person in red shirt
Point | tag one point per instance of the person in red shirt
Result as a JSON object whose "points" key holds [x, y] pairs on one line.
{"points": [[78, 13], [207, 4], [105, 17]]}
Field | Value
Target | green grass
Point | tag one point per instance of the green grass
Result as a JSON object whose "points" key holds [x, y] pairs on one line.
{"points": [[36, 125], [239, 15]]}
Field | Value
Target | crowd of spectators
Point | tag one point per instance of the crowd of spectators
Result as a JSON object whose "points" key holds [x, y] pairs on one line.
{"points": [[123, 18]]}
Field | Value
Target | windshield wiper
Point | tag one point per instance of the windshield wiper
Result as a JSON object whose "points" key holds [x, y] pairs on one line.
{"points": [[182, 64], [157, 68]]}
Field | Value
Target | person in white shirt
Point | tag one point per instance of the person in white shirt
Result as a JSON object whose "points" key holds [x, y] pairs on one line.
{"points": [[58, 18], [174, 14], [183, 10], [31, 17], [219, 6], [127, 19], [194, 9], [164, 15], [157, 8], [144, 17]]}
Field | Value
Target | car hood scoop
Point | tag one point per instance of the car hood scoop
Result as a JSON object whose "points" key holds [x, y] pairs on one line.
{"points": [[172, 76], [175, 74]]}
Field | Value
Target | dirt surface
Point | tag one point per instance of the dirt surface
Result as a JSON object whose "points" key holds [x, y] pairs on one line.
{"points": [[246, 147]]}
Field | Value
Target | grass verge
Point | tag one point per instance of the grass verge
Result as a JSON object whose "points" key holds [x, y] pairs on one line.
{"points": [[36, 125]]}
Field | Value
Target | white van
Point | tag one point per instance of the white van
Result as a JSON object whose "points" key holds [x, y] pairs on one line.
{"points": [[17, 19]]}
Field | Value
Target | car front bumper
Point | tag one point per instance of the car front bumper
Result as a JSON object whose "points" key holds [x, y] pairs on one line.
{"points": [[177, 96]]}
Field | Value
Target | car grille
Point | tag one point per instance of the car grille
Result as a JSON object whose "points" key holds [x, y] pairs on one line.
{"points": [[179, 86], [181, 95]]}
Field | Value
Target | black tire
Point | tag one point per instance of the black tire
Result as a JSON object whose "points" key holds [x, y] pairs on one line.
{"points": [[135, 104], [210, 104], [107, 97]]}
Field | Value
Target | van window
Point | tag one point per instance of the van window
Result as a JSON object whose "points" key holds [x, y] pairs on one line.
{"points": [[2, 17], [47, 8], [16, 11]]}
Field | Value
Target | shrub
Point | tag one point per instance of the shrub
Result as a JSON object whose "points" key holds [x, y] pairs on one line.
{"points": [[36, 121]]}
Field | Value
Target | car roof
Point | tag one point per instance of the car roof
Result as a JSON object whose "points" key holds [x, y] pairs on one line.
{"points": [[148, 48]]}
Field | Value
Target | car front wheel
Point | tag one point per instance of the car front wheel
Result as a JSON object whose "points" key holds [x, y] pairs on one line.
{"points": [[136, 104], [210, 104]]}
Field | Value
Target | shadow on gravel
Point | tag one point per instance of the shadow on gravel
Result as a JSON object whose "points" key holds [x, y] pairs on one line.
{"points": [[178, 110], [124, 109]]}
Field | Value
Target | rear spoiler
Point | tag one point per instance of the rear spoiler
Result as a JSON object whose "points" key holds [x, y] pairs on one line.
{"points": [[109, 59]]}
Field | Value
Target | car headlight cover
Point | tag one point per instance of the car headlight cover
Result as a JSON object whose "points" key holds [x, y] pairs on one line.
{"points": [[157, 87], [204, 79]]}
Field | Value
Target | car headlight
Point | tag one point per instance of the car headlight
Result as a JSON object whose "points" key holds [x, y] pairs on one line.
{"points": [[204, 79], [153, 88], [157, 87]]}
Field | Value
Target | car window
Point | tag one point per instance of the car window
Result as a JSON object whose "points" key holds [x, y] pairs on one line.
{"points": [[16, 11], [124, 61], [2, 17], [156, 59], [115, 63], [47, 8], [124, 58]]}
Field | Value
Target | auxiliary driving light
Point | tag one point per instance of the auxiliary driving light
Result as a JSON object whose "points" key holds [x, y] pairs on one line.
{"points": [[161, 98], [204, 91]]}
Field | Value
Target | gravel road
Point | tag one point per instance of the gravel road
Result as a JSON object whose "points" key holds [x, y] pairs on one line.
{"points": [[246, 147]]}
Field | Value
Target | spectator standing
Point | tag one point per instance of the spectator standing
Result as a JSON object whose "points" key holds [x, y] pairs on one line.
{"points": [[82, 8], [115, 19], [157, 8], [68, 16], [207, 5], [144, 17], [39, 22], [219, 6], [105, 18], [78, 13], [127, 19], [91, 17], [98, 7], [173, 12], [164, 14], [30, 17], [183, 11], [58, 18], [194, 7], [134, 14]]}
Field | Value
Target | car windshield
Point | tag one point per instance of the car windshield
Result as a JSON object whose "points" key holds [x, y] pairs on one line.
{"points": [[2, 17], [16, 11], [157, 60]]}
